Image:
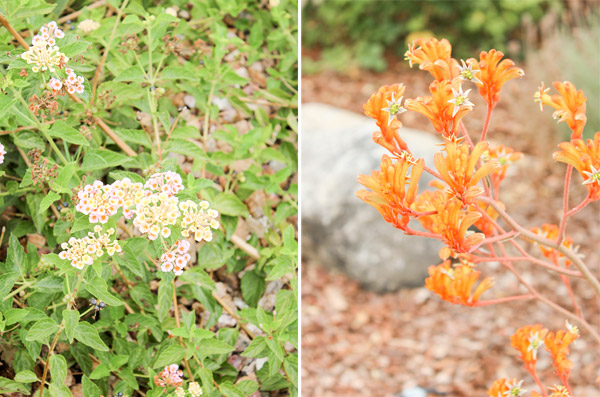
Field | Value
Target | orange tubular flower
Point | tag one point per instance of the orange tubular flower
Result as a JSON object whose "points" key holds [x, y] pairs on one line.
{"points": [[506, 387], [451, 222], [389, 193], [505, 156], [434, 56], [457, 169], [585, 157], [551, 233], [559, 391], [455, 284], [383, 106], [558, 346], [445, 108], [493, 74], [569, 105], [527, 340]]}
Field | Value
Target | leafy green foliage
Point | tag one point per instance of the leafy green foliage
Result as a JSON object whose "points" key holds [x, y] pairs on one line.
{"points": [[204, 89]]}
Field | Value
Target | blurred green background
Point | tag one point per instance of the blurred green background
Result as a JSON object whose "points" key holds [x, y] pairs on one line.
{"points": [[559, 38]]}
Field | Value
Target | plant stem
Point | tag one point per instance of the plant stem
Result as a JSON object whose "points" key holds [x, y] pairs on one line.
{"points": [[563, 220], [503, 300], [176, 311], [486, 124], [18, 290]]}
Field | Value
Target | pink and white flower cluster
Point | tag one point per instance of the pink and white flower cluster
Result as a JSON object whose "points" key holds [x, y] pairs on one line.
{"points": [[73, 83], [101, 201], [166, 182], [48, 33], [2, 153], [170, 376], [155, 213], [198, 220], [175, 258], [83, 251]]}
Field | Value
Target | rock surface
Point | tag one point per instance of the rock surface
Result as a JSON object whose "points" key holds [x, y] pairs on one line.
{"points": [[338, 229]]}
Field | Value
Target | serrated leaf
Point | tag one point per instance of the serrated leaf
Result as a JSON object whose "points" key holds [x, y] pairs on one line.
{"points": [[71, 318], [26, 377], [97, 159], [253, 287], [256, 348], [213, 346], [41, 330], [172, 354], [58, 369], [230, 204], [88, 335], [47, 201], [99, 289], [89, 388], [61, 130]]}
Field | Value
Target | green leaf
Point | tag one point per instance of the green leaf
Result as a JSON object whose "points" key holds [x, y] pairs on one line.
{"points": [[41, 330], [15, 255], [256, 348], [7, 281], [229, 390], [131, 74], [62, 181], [230, 204], [26, 377], [59, 390], [185, 147], [172, 354], [253, 287], [75, 48], [97, 159], [71, 318], [178, 72], [10, 386], [213, 346], [99, 289], [47, 201], [29, 140], [100, 372], [89, 388], [165, 299], [58, 368], [290, 364], [88, 335], [61, 130]]}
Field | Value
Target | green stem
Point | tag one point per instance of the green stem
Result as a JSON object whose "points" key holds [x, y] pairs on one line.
{"points": [[18, 290]]}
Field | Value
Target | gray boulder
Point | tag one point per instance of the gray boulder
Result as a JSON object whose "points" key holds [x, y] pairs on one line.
{"points": [[338, 229]]}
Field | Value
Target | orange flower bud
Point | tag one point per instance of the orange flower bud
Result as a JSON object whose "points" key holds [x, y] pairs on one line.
{"points": [[494, 74], [434, 56]]}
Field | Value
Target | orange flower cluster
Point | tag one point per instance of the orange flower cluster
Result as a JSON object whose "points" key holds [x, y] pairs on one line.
{"points": [[505, 156], [434, 56], [527, 341], [569, 105], [551, 233], [506, 387], [449, 221], [493, 74], [585, 157], [385, 117], [455, 283], [484, 224], [393, 189], [446, 106], [457, 169], [558, 346]]}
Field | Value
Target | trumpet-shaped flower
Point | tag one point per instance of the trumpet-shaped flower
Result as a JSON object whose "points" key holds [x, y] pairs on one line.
{"points": [[505, 156], [446, 106], [527, 340], [455, 283], [493, 74], [84, 250], [393, 189], [506, 388], [385, 117], [569, 105], [155, 213], [558, 346], [551, 233], [585, 157], [451, 222], [176, 257], [458, 169], [197, 220], [434, 56], [167, 182]]}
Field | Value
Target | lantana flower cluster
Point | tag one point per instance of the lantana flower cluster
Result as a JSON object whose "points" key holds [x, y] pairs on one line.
{"points": [[2, 153], [45, 55], [83, 251], [169, 377], [175, 258], [156, 211]]}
